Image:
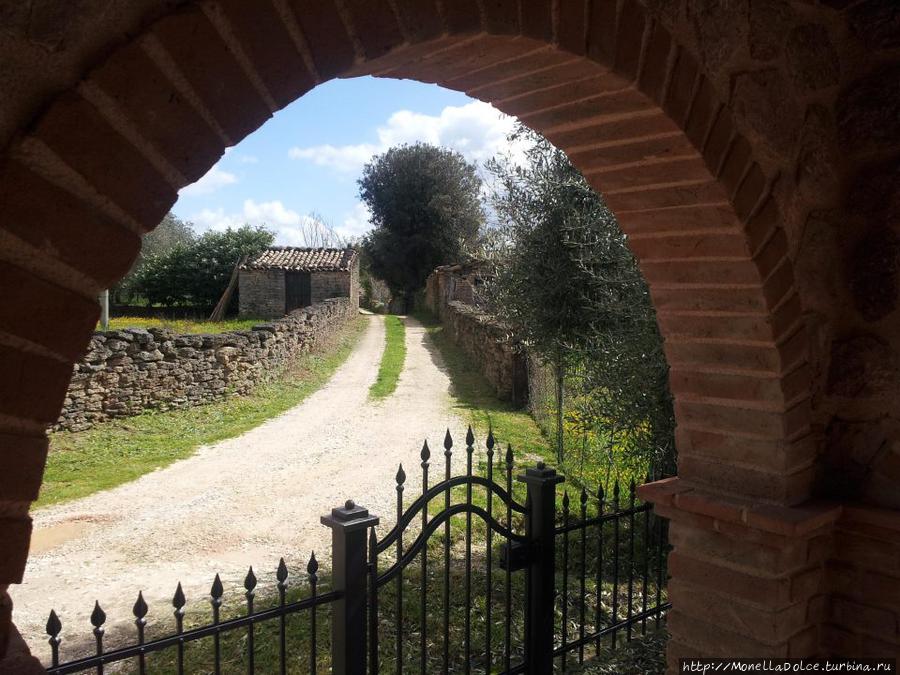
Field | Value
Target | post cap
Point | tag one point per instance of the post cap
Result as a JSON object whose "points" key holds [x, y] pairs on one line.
{"points": [[350, 516], [541, 473]]}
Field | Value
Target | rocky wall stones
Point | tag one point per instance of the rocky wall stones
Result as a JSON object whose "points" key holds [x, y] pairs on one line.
{"points": [[127, 372]]}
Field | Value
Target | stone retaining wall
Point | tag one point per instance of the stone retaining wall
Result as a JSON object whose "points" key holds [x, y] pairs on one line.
{"points": [[127, 372]]}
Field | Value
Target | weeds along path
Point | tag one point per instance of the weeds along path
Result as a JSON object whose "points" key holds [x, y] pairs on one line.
{"points": [[245, 501]]}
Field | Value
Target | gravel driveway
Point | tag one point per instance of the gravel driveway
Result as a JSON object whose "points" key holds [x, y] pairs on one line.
{"points": [[247, 500]]}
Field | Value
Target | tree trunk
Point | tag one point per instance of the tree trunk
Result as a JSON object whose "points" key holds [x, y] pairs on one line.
{"points": [[560, 377]]}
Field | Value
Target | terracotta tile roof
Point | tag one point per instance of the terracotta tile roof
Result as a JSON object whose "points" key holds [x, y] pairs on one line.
{"points": [[303, 259]]}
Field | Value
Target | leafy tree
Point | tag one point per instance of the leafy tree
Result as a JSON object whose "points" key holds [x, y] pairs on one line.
{"points": [[425, 210], [171, 232], [196, 273], [566, 282]]}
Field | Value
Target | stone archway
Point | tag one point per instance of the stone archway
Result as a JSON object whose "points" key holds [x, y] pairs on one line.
{"points": [[635, 98]]}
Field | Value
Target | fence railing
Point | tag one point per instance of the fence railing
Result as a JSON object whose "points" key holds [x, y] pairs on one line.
{"points": [[437, 593]]}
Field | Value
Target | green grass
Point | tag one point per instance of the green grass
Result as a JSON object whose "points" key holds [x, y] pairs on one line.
{"points": [[391, 359], [81, 463], [182, 325]]}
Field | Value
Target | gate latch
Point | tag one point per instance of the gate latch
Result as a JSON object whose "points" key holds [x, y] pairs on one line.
{"points": [[514, 555]]}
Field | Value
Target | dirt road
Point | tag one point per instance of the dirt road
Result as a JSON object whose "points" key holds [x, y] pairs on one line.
{"points": [[245, 501]]}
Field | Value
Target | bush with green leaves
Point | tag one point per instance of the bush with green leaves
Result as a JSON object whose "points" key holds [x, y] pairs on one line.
{"points": [[569, 287], [196, 273]]}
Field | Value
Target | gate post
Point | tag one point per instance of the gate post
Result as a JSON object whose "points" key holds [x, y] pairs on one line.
{"points": [[540, 526], [349, 527]]}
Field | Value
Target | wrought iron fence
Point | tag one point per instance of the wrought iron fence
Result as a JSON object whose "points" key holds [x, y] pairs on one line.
{"points": [[389, 599]]}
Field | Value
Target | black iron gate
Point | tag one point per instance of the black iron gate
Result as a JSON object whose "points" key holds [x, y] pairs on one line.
{"points": [[549, 586]]}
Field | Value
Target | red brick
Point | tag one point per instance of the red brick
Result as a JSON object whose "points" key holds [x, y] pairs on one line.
{"points": [[548, 92], [32, 387], [722, 356], [155, 107], [633, 128], [421, 19], [681, 87], [15, 535], [717, 244], [661, 491], [709, 505], [537, 19], [741, 272], [584, 111], [656, 62], [601, 39], [865, 514], [21, 466], [769, 455], [871, 586], [719, 140], [866, 552], [501, 17], [768, 627], [805, 644], [532, 63], [746, 328], [750, 192], [772, 253], [571, 32], [861, 618], [662, 147], [743, 553], [700, 299], [688, 217], [760, 423], [211, 69], [629, 39], [57, 318], [731, 386], [64, 227], [652, 173], [703, 112], [763, 224], [736, 161], [760, 590], [75, 131], [664, 196], [462, 16], [716, 641], [461, 59], [269, 46], [375, 26], [725, 478], [779, 285], [326, 35]]}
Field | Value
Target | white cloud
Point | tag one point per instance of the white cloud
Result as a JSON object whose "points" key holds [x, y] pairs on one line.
{"points": [[290, 227], [212, 180], [356, 222], [476, 130], [248, 159]]}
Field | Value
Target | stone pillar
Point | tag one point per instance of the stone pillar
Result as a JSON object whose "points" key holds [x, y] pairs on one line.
{"points": [[746, 579]]}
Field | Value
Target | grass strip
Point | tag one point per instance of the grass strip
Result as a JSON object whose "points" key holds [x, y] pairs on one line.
{"points": [[183, 326], [391, 359], [115, 452]]}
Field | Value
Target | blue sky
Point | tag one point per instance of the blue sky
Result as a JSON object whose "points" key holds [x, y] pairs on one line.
{"points": [[307, 158]]}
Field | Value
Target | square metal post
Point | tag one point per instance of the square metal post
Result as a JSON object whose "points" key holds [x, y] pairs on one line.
{"points": [[540, 528], [349, 569]]}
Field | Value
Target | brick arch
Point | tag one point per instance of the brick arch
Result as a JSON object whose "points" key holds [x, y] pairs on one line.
{"points": [[611, 87]]}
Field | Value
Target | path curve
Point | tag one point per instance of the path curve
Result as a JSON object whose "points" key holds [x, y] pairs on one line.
{"points": [[244, 501]]}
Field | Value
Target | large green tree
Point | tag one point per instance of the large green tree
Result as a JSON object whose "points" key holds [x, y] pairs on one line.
{"points": [[566, 282], [171, 232], [196, 273], [426, 212]]}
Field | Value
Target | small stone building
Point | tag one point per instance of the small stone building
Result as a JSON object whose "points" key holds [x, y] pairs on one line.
{"points": [[284, 278]]}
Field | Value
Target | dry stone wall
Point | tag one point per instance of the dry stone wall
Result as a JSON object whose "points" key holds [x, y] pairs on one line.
{"points": [[127, 372]]}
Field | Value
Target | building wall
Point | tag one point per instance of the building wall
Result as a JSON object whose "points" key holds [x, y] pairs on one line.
{"points": [[127, 372], [261, 293], [326, 285]]}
